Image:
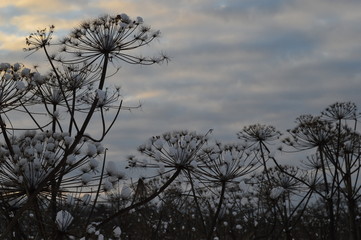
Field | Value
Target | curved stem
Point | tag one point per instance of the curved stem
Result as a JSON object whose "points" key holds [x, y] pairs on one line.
{"points": [[98, 191], [196, 202], [72, 113], [6, 137], [62, 162], [215, 217], [144, 201]]}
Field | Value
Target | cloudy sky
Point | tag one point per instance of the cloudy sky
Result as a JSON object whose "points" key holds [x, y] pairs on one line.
{"points": [[234, 62]]}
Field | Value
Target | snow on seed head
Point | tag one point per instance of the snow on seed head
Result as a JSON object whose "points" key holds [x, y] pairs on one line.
{"points": [[158, 144], [100, 148], [86, 199], [63, 220], [4, 66], [117, 232], [50, 146], [126, 192], [91, 150], [16, 149], [93, 163], [161, 168], [276, 192], [20, 85], [157, 156], [124, 18], [113, 171], [68, 140], [173, 151], [25, 72], [70, 160], [16, 67], [70, 200], [86, 178], [107, 185], [91, 229]]}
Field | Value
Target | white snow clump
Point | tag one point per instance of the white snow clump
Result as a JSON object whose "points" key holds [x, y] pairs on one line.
{"points": [[117, 232], [63, 220], [276, 192]]}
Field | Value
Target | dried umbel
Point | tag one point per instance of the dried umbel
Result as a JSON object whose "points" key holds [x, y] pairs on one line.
{"points": [[34, 158], [42, 167], [276, 182], [257, 133], [341, 111], [226, 163], [67, 84], [310, 132], [16, 82], [174, 150], [39, 39], [109, 37], [107, 98], [63, 220]]}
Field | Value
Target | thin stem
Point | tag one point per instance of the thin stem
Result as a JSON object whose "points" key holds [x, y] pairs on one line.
{"points": [[6, 137], [196, 201], [144, 201], [98, 191], [215, 217], [62, 162]]}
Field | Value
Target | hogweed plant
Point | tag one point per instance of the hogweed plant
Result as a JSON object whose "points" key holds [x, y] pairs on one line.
{"points": [[50, 159], [261, 137], [57, 183], [335, 164], [284, 197], [170, 155], [219, 168]]}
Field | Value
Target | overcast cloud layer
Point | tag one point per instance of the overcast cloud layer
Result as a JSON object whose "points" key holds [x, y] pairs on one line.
{"points": [[234, 62]]}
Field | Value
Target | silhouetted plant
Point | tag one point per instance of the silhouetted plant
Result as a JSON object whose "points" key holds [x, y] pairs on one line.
{"points": [[57, 183], [334, 166], [56, 159]]}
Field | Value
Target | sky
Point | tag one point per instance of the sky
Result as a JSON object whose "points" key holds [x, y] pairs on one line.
{"points": [[233, 62]]}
